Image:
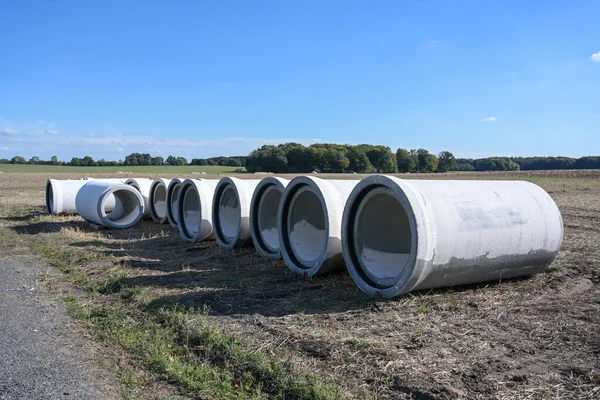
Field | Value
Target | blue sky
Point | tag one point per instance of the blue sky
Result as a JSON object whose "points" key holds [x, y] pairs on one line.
{"points": [[207, 78]]}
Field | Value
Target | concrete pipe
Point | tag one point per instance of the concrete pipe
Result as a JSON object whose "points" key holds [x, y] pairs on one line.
{"points": [[143, 186], [172, 197], [264, 209], [158, 200], [61, 194], [111, 204], [231, 211], [194, 209], [310, 224], [405, 235]]}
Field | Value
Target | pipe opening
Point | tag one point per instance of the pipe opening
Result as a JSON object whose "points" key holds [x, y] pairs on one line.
{"points": [[229, 215], [267, 217], [191, 214], [172, 203], [381, 237], [306, 226], [159, 204], [49, 198], [126, 209]]}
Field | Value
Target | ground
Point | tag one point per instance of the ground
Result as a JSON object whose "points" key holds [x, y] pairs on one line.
{"points": [[535, 337]]}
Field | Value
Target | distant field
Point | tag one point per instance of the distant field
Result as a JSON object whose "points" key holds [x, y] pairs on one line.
{"points": [[165, 169]]}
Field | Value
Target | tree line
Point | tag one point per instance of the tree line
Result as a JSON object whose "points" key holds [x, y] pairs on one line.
{"points": [[131, 159], [336, 158]]}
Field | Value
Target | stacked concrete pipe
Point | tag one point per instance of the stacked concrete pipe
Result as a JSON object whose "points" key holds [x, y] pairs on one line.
{"points": [[310, 224], [405, 235], [111, 204], [194, 209], [231, 211], [142, 185], [61, 194], [172, 198], [158, 200], [264, 209]]}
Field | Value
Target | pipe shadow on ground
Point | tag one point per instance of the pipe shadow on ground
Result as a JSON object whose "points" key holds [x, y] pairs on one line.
{"points": [[230, 282], [48, 227]]}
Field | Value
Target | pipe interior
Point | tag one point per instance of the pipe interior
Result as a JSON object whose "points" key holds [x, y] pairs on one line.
{"points": [[173, 205], [49, 198], [160, 201], [230, 216], [126, 209], [307, 231], [383, 237], [191, 212], [267, 217]]}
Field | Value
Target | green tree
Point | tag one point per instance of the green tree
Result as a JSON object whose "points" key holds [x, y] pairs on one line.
{"points": [[4, 161], [426, 162], [513, 166], [446, 161], [359, 161], [268, 159], [158, 160], [88, 161], [18, 160], [54, 160], [34, 160], [463, 166], [171, 160], [382, 158], [406, 161]]}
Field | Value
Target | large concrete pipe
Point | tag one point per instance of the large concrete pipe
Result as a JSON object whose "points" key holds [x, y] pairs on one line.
{"points": [[194, 209], [112, 204], [264, 209], [172, 198], [231, 211], [143, 186], [310, 224], [158, 200], [61, 194], [405, 235]]}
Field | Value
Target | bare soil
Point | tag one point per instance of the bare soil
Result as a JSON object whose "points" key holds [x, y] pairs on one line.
{"points": [[536, 337]]}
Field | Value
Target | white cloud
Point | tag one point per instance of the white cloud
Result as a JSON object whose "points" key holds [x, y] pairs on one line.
{"points": [[120, 150], [595, 57], [489, 119], [9, 131], [4, 148], [53, 132], [432, 42]]}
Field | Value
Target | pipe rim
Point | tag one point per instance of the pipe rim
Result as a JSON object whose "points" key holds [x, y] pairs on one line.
{"points": [[117, 192], [185, 189], [173, 190], [158, 183], [264, 187], [50, 197], [225, 185], [304, 183], [365, 279]]}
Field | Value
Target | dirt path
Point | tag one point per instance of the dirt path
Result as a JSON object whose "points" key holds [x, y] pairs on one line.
{"points": [[41, 355]]}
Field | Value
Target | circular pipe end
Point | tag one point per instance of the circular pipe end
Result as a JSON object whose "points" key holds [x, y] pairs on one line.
{"points": [[303, 226], [172, 198], [227, 215], [128, 209], [158, 201], [189, 211], [49, 197], [380, 238], [264, 209]]}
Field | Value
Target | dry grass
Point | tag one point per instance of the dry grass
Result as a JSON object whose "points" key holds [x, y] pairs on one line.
{"points": [[527, 338]]}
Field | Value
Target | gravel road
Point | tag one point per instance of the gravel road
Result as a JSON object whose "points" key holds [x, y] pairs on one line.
{"points": [[41, 355]]}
